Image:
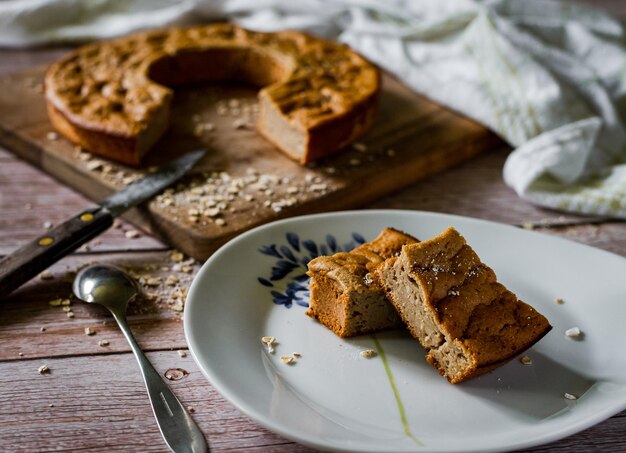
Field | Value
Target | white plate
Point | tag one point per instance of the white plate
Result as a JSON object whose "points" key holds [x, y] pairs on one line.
{"points": [[335, 399]]}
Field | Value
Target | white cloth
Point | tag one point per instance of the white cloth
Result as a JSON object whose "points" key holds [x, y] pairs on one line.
{"points": [[548, 76]]}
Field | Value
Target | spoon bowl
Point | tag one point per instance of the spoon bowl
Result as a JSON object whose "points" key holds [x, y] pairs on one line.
{"points": [[105, 285]]}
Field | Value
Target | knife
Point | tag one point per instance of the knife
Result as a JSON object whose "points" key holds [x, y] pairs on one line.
{"points": [[34, 257]]}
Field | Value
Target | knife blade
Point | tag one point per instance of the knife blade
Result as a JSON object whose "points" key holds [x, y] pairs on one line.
{"points": [[37, 255]]}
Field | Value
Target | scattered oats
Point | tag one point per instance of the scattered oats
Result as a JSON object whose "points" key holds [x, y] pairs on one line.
{"points": [[193, 212], [292, 190], [94, 165], [186, 269], [152, 281], [212, 212], [55, 303], [559, 301], [296, 355], [191, 409], [89, 331], [391, 152], [368, 353], [182, 353], [66, 309], [70, 314], [248, 197], [528, 226], [103, 343], [355, 162], [43, 369], [42, 329], [269, 342], [171, 280], [21, 354], [240, 123], [50, 405], [220, 222], [453, 293], [46, 275], [569, 396], [28, 206], [52, 136], [47, 225], [287, 360], [573, 332], [178, 306], [318, 187], [361, 147], [132, 234], [331, 170], [117, 223], [66, 302], [198, 130], [525, 360], [177, 256]]}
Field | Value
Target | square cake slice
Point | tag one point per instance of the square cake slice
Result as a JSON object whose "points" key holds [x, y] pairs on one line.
{"points": [[452, 303], [345, 297]]}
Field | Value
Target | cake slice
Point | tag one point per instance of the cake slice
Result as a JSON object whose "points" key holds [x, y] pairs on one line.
{"points": [[345, 297], [452, 303]]}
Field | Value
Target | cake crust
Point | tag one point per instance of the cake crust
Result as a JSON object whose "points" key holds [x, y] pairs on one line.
{"points": [[345, 297], [451, 301], [113, 98]]}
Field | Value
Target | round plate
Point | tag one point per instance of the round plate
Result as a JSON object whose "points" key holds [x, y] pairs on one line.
{"points": [[333, 398]]}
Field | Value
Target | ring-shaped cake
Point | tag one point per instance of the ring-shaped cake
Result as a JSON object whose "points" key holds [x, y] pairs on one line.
{"points": [[113, 98]]}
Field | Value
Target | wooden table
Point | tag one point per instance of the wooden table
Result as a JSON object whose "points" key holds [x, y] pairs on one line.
{"points": [[93, 397]]}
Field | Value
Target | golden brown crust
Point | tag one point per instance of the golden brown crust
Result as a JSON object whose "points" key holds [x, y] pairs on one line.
{"points": [[323, 91], [472, 311], [344, 297]]}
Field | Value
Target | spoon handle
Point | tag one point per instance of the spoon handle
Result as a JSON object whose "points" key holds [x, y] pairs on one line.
{"points": [[177, 427]]}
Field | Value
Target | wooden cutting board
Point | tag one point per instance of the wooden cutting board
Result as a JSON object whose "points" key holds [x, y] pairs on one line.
{"points": [[244, 181]]}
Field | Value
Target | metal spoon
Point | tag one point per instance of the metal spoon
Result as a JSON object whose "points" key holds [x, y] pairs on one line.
{"points": [[113, 288]]}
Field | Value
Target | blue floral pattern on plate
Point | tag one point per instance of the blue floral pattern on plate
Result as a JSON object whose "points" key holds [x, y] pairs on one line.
{"points": [[288, 282]]}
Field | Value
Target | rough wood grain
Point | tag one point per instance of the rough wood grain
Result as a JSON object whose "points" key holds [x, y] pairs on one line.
{"points": [[29, 199], [424, 138], [100, 404], [29, 325]]}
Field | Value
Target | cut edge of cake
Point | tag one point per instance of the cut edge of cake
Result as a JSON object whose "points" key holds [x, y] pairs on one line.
{"points": [[453, 305], [344, 297]]}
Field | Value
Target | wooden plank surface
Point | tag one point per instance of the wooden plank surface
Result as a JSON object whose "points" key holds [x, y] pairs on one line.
{"points": [[205, 116], [77, 361], [88, 412]]}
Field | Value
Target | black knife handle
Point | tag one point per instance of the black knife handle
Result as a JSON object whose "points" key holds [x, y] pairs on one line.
{"points": [[36, 256]]}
